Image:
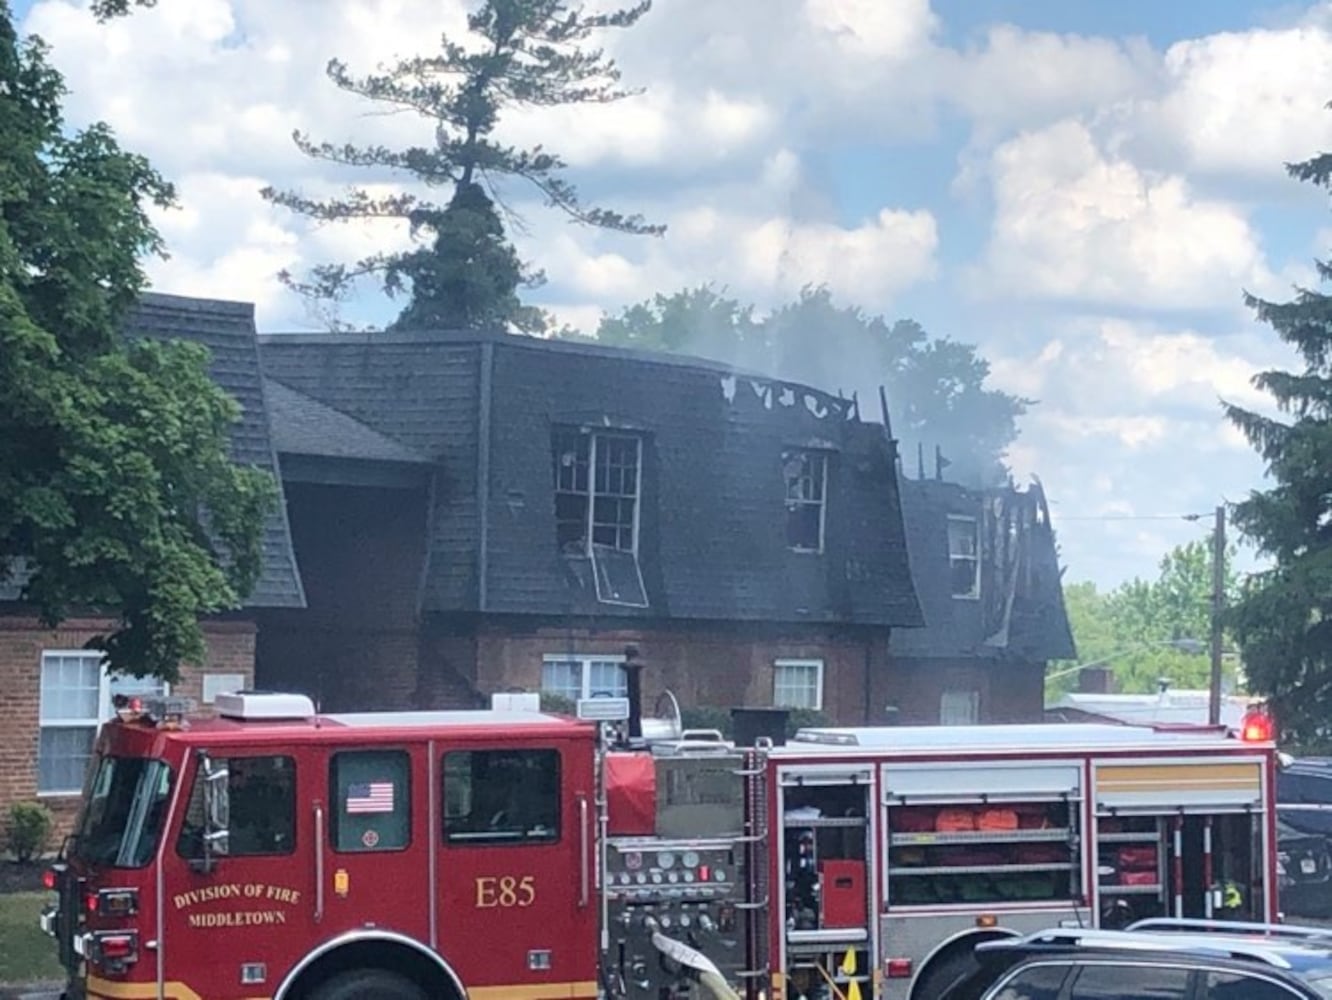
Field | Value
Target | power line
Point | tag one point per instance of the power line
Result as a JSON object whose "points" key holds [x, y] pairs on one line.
{"points": [[1129, 517]]}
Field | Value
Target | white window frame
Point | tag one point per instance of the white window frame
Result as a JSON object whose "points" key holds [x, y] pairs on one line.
{"points": [[975, 556], [105, 710], [813, 454], [973, 707], [802, 664], [594, 438], [584, 661]]}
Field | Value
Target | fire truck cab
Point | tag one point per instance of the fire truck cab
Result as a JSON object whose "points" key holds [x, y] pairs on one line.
{"points": [[272, 852]]}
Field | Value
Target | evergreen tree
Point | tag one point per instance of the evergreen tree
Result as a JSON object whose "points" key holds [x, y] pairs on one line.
{"points": [[1283, 618], [464, 273], [117, 495]]}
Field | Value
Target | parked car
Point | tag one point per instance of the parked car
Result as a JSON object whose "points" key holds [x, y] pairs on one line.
{"points": [[1304, 794], [1155, 960], [1304, 872]]}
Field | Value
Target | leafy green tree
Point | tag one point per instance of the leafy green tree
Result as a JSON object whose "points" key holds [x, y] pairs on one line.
{"points": [[1130, 627], [935, 387], [462, 271], [116, 492], [1284, 618]]}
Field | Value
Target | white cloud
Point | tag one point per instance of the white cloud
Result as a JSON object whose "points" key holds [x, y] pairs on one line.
{"points": [[1020, 77], [1129, 434], [1075, 224], [871, 29], [1238, 102]]}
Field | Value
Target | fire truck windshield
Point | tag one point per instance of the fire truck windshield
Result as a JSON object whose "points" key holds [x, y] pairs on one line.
{"points": [[124, 813]]}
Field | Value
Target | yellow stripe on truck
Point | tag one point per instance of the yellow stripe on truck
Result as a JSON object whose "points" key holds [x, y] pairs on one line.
{"points": [[1154, 777], [543, 991], [106, 989]]}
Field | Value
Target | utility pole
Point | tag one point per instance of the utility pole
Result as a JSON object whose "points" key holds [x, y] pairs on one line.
{"points": [[1218, 606]]}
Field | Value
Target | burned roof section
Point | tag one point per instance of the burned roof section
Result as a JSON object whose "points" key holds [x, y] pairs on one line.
{"points": [[987, 571], [579, 480]]}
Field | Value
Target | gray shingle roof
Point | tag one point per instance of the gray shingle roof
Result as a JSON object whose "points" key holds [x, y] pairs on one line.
{"points": [[227, 330], [305, 426], [712, 533]]}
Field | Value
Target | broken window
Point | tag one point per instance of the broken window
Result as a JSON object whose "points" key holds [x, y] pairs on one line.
{"points": [[964, 556], [597, 485], [596, 491], [806, 475]]}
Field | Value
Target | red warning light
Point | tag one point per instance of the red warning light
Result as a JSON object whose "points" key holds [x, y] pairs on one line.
{"points": [[1256, 727], [49, 879]]}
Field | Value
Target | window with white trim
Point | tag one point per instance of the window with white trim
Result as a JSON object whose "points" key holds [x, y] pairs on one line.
{"points": [[584, 676], [797, 684], [596, 491], [806, 474], [598, 484], [959, 708], [964, 556], [76, 698]]}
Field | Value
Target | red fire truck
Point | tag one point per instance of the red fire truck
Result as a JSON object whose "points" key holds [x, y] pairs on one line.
{"points": [[273, 852]]}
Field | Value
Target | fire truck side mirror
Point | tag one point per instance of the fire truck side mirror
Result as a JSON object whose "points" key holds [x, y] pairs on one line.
{"points": [[217, 810]]}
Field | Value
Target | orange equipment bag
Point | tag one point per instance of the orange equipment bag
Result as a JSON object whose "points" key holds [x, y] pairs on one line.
{"points": [[955, 821]]}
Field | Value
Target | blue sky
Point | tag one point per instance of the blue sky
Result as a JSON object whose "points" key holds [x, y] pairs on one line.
{"points": [[1082, 189]]}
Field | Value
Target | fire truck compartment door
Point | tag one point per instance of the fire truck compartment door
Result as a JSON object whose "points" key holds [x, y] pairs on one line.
{"points": [[994, 781], [1188, 786], [826, 774]]}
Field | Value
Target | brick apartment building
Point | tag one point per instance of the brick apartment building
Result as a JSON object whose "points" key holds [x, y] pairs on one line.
{"points": [[475, 513]]}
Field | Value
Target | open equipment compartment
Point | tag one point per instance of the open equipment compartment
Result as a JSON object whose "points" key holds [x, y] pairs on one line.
{"points": [[1180, 837], [954, 840], [827, 878]]}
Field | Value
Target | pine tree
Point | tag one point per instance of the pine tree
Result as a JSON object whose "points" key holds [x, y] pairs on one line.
{"points": [[1283, 619], [463, 272]]}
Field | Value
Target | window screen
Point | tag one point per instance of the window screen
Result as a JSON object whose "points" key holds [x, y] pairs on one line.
{"points": [[372, 800], [502, 796]]}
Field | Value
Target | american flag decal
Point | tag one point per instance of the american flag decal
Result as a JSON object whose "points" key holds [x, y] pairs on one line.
{"points": [[370, 797]]}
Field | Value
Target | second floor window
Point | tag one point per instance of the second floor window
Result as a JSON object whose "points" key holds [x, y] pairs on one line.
{"points": [[597, 486], [806, 475], [964, 556]]}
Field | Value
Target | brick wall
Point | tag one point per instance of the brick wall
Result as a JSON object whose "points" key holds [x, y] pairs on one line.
{"points": [[704, 667], [1009, 691], [22, 640]]}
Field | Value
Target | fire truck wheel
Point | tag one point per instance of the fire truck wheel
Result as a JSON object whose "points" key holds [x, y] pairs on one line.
{"points": [[369, 984], [941, 974]]}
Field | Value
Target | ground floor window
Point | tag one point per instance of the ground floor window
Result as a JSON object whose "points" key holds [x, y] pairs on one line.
{"points": [[959, 707], [798, 684], [575, 676], [76, 698]]}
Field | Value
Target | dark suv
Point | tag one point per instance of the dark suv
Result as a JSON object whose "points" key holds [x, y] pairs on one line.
{"points": [[1155, 960], [1304, 794]]}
